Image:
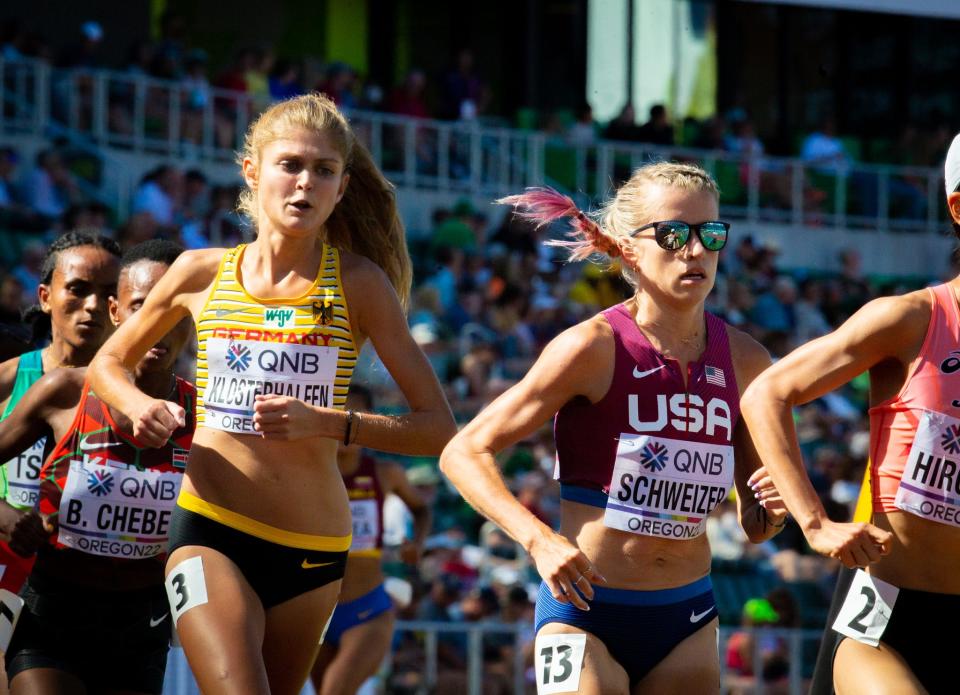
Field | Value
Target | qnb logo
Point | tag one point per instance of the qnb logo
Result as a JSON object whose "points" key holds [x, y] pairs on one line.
{"points": [[952, 363], [238, 357], [100, 483], [654, 457], [685, 413], [950, 439]]}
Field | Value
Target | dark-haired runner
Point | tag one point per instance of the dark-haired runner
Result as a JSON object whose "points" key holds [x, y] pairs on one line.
{"points": [[99, 579]]}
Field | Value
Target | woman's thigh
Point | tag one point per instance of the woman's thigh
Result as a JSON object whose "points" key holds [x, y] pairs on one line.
{"points": [[859, 669], [221, 637], [692, 667], [600, 673]]}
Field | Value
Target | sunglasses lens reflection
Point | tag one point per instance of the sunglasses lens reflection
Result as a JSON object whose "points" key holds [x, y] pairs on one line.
{"points": [[713, 235], [672, 236]]}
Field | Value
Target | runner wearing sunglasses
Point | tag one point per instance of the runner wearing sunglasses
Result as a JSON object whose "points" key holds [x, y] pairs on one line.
{"points": [[646, 403]]}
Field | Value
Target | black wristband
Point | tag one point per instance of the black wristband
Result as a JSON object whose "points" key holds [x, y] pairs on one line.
{"points": [[767, 522], [346, 435]]}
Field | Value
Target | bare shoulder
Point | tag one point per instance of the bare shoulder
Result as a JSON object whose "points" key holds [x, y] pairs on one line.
{"points": [[748, 355], [360, 271], [194, 270], [60, 388], [590, 339]]}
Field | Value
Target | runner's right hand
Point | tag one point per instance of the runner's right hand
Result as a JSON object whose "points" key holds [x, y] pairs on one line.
{"points": [[562, 565], [156, 421], [853, 544], [30, 532]]}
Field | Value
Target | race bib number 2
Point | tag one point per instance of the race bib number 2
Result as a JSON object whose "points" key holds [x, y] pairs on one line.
{"points": [[867, 609], [559, 660]]}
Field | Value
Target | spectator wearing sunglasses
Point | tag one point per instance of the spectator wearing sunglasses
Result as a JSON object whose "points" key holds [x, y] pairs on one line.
{"points": [[645, 397]]}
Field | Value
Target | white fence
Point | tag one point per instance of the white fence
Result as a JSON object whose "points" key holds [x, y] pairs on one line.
{"points": [[193, 122], [179, 680]]}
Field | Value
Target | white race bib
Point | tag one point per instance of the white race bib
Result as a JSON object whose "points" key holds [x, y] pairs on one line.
{"points": [[558, 663], [23, 476], [116, 511], [238, 370], [867, 609], [366, 524], [667, 487], [186, 587], [930, 485]]}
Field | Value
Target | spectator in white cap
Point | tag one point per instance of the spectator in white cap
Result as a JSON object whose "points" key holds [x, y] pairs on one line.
{"points": [[880, 637]]}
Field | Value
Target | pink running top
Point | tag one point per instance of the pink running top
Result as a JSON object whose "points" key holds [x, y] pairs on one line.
{"points": [[915, 436]]}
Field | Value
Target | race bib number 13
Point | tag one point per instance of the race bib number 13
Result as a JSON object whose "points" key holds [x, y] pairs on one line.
{"points": [[559, 660]]}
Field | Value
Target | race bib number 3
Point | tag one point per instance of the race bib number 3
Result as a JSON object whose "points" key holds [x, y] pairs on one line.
{"points": [[186, 587], [117, 512], [867, 609], [930, 485], [238, 370], [666, 487], [559, 661]]}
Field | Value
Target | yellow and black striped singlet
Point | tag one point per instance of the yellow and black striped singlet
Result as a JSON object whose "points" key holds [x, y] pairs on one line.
{"points": [[300, 347]]}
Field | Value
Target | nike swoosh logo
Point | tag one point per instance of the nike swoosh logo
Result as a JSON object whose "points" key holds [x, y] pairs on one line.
{"points": [[697, 617], [363, 614], [93, 446], [220, 313], [640, 375], [310, 565], [154, 623]]}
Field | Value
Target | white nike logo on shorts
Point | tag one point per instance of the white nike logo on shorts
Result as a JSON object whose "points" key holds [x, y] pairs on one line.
{"points": [[640, 375], [697, 617], [155, 622]]}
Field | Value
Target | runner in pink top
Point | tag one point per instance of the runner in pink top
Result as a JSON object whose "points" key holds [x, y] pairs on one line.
{"points": [[647, 423], [911, 551]]}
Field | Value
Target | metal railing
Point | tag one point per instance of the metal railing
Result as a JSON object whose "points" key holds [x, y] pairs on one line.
{"points": [[194, 122], [179, 680]]}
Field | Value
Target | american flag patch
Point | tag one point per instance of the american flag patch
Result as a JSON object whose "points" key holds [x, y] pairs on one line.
{"points": [[715, 376], [180, 457]]}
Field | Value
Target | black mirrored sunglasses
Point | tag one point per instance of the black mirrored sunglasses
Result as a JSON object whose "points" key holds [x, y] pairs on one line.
{"points": [[673, 235]]}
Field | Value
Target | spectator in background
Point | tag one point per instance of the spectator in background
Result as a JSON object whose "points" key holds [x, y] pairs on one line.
{"points": [[658, 130], [256, 77], [13, 300], [339, 85], [27, 272], [159, 195], [50, 187], [462, 94], [12, 212], [285, 80], [584, 130], [713, 134], [409, 99], [811, 323], [196, 195], [86, 52], [774, 651], [824, 150], [624, 127]]}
